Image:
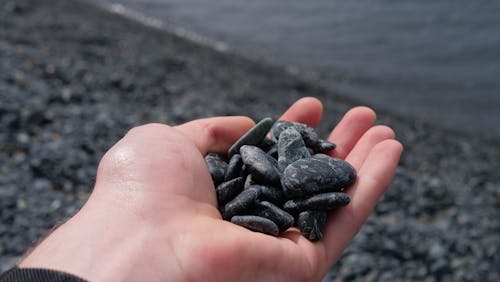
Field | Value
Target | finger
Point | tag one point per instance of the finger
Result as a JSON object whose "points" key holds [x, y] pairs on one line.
{"points": [[371, 138], [307, 110], [374, 177], [348, 131], [215, 135]]}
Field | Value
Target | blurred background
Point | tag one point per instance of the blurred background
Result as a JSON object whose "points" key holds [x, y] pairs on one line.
{"points": [[76, 75], [434, 60]]}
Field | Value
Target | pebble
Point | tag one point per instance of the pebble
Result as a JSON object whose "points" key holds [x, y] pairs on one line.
{"points": [[325, 202], [270, 211], [272, 194], [315, 175], [291, 148], [234, 167], [323, 146], [216, 166], [226, 191], [253, 137], [256, 223], [272, 184], [262, 167], [242, 202], [308, 133], [312, 224]]}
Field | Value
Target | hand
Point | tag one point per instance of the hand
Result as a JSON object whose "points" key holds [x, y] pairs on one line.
{"points": [[152, 215]]}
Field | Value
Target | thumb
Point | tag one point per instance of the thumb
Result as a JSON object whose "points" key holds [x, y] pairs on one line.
{"points": [[217, 134]]}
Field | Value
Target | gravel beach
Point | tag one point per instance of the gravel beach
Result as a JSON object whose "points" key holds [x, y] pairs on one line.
{"points": [[74, 79]]}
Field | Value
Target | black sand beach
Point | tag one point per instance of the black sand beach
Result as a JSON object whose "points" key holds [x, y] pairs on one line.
{"points": [[74, 79]]}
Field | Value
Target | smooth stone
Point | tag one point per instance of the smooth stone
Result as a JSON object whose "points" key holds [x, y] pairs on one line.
{"points": [[291, 148], [312, 224], [262, 166], [308, 133], [325, 202], [270, 211], [319, 174], [272, 194], [256, 223], [234, 167], [323, 146], [273, 152], [253, 137], [242, 202], [310, 136], [217, 166], [226, 191], [266, 144]]}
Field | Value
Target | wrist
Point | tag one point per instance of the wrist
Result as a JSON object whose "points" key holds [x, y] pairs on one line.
{"points": [[99, 244]]}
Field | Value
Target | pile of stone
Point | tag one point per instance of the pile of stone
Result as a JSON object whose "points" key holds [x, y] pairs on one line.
{"points": [[273, 183]]}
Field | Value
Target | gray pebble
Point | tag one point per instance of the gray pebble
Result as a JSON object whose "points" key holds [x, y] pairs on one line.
{"points": [[226, 191], [266, 144], [308, 133], [272, 194], [270, 211], [262, 166], [253, 137], [240, 203], [312, 224], [234, 167], [291, 147], [256, 223], [323, 146], [319, 174], [217, 166], [325, 201]]}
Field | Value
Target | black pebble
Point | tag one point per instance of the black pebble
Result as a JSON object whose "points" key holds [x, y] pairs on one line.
{"points": [[272, 194], [262, 166], [319, 174], [312, 224], [256, 223], [240, 203], [270, 211], [226, 191], [323, 146], [234, 167], [253, 137], [325, 201], [217, 166]]}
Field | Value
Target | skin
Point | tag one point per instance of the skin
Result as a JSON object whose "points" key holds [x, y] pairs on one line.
{"points": [[152, 215]]}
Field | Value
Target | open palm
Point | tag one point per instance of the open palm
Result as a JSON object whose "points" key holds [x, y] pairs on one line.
{"points": [[154, 186]]}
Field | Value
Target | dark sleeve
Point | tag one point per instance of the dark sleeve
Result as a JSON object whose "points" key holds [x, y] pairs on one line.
{"points": [[38, 274]]}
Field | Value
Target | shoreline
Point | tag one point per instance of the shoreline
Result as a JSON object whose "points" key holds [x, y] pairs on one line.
{"points": [[450, 124], [74, 78]]}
